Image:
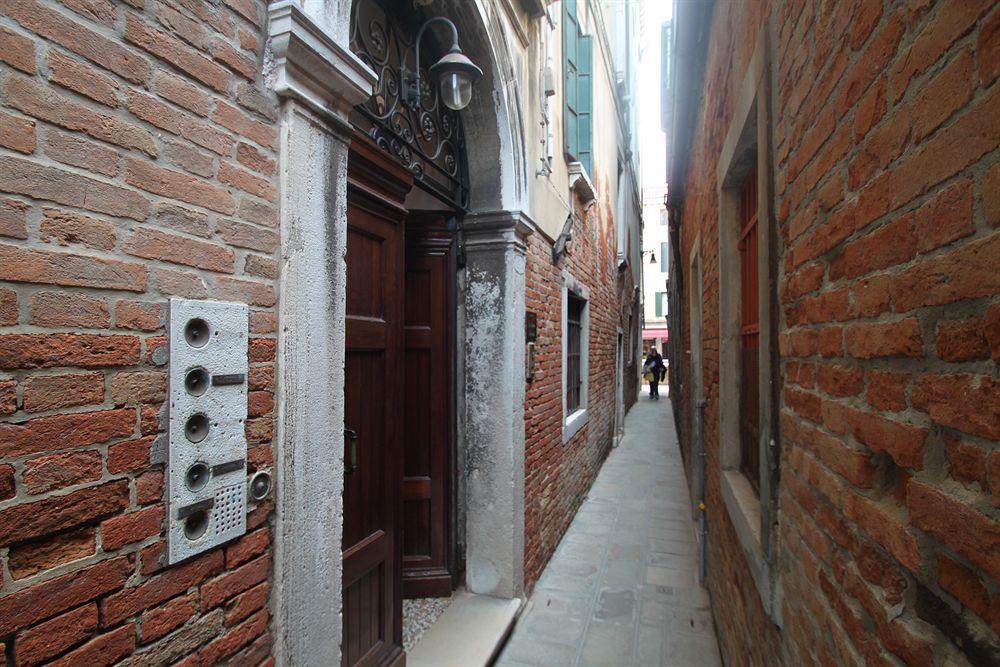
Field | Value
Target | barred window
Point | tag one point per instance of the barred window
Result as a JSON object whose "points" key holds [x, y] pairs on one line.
{"points": [[574, 337]]}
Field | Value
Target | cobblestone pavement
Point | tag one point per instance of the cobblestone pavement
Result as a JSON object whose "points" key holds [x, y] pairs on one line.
{"points": [[622, 588]]}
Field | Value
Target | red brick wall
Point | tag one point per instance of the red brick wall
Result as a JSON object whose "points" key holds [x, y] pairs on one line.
{"points": [[887, 177], [137, 162], [557, 475]]}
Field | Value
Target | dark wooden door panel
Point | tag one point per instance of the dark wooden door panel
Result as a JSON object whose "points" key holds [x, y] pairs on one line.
{"points": [[427, 567], [372, 600]]}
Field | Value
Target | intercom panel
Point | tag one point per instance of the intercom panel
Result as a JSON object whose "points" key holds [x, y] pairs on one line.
{"points": [[207, 449]]}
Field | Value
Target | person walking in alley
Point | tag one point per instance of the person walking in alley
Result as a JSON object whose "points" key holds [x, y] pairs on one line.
{"points": [[653, 370]]}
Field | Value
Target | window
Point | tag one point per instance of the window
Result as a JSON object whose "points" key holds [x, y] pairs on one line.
{"points": [[578, 56], [749, 333], [663, 217], [664, 257], [574, 353], [661, 304], [630, 352]]}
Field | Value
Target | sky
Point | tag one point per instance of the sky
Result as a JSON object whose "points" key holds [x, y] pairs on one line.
{"points": [[651, 138]]}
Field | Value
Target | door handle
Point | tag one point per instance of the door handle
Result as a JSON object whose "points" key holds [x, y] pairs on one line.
{"points": [[352, 435]]}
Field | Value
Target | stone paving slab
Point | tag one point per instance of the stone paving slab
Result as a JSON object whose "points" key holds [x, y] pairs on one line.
{"points": [[622, 587]]}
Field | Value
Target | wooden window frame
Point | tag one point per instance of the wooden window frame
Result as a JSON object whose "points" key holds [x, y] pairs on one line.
{"points": [[578, 93], [574, 352], [750, 319]]}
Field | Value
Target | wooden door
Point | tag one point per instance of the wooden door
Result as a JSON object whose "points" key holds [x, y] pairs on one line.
{"points": [[427, 567], [372, 602]]}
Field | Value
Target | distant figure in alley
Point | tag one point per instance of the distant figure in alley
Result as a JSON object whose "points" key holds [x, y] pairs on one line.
{"points": [[654, 370]]}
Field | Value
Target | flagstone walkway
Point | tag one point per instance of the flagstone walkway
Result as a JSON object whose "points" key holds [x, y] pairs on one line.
{"points": [[622, 588]]}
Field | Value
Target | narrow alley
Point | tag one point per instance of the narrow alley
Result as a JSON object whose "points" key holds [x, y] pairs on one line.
{"points": [[622, 588]]}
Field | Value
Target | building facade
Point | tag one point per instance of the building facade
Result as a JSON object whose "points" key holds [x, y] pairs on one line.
{"points": [[442, 314], [833, 201], [655, 270]]}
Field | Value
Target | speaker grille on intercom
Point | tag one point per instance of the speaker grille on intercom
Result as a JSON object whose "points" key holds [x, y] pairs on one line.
{"points": [[228, 511]]}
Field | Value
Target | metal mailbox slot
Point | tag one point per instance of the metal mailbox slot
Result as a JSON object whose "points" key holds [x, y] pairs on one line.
{"points": [[207, 448]]}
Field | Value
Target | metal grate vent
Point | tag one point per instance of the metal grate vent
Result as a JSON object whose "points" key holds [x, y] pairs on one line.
{"points": [[228, 511]]}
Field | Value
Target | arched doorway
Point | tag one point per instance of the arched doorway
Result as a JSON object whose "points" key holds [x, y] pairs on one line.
{"points": [[408, 190]]}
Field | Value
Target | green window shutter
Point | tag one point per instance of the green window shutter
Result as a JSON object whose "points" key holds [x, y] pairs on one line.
{"points": [[659, 304], [585, 103], [571, 32]]}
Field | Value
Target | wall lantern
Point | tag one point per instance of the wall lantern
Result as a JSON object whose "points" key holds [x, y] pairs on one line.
{"points": [[454, 71], [652, 256]]}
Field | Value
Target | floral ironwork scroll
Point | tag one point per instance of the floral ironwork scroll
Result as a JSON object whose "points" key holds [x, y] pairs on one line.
{"points": [[428, 140]]}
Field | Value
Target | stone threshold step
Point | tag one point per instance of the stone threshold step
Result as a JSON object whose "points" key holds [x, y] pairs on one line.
{"points": [[469, 633]]}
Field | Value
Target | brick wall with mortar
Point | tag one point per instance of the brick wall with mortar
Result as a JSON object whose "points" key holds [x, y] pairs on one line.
{"points": [[887, 200], [137, 162], [557, 475]]}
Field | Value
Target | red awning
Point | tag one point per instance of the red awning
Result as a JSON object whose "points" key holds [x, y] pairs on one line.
{"points": [[650, 334]]}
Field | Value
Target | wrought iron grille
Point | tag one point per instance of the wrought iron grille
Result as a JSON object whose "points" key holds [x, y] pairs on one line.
{"points": [[428, 140]]}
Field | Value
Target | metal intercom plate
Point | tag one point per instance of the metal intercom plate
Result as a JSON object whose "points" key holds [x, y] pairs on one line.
{"points": [[206, 468]]}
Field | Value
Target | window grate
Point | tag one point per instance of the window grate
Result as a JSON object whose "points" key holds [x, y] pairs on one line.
{"points": [[574, 352], [749, 334]]}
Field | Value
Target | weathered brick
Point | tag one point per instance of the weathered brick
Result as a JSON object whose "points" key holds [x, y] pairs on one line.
{"points": [[102, 11], [17, 133], [28, 521], [36, 603], [965, 402], [67, 227], [885, 526], [247, 603], [43, 266], [187, 158], [8, 487], [962, 340], [153, 244], [243, 235], [135, 387], [235, 639], [258, 212], [71, 34], [224, 52], [233, 119], [162, 620], [217, 591], [967, 461], [44, 103], [247, 181], [963, 584], [181, 92], [253, 99], [175, 184], [176, 53], [139, 315], [255, 159], [249, 546], [84, 350], [118, 531], [129, 455], [63, 187], [840, 381], [55, 471], [903, 442], [105, 649], [54, 392], [78, 152], [947, 92], [887, 390], [34, 557], [13, 218], [990, 194], [960, 527], [263, 322], [246, 291], [149, 487], [44, 641], [988, 51], [17, 50], [884, 339], [180, 219], [261, 349], [129, 602], [155, 112], [192, 31], [263, 267], [83, 79], [67, 309], [78, 429]]}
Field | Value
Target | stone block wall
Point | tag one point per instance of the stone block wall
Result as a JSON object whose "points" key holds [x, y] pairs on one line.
{"points": [[557, 474], [137, 162], [887, 198]]}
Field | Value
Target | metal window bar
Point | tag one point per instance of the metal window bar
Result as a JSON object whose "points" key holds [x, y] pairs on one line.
{"points": [[749, 334], [574, 380]]}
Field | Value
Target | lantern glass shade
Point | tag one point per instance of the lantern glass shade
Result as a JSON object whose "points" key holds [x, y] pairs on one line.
{"points": [[456, 89]]}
